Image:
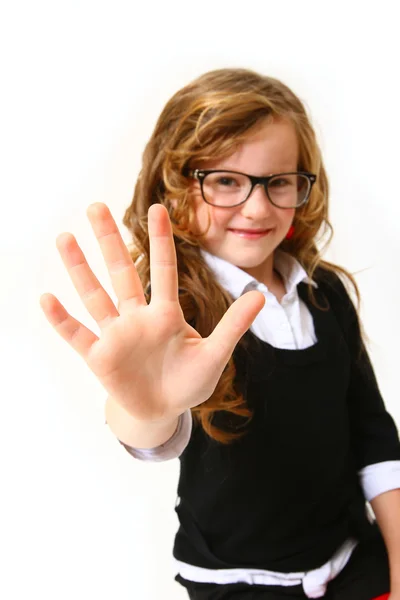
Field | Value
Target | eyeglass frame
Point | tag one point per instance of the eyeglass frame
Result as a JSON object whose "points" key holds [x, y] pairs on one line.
{"points": [[200, 175]]}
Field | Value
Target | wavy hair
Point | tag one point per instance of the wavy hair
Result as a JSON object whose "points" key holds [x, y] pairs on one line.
{"points": [[209, 118]]}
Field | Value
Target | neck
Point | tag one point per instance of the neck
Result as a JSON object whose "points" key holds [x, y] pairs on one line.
{"points": [[275, 284]]}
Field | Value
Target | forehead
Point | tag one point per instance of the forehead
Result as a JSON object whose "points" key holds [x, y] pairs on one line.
{"points": [[269, 148]]}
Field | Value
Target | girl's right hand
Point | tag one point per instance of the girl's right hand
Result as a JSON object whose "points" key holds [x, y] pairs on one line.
{"points": [[148, 358]]}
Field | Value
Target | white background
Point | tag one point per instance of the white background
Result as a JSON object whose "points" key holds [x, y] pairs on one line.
{"points": [[82, 84]]}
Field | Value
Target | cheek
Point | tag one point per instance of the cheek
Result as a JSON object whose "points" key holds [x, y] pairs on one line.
{"points": [[286, 217], [220, 220], [201, 213], [205, 213], [203, 217]]}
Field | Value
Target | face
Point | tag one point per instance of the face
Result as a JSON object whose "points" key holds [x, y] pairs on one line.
{"points": [[272, 149]]}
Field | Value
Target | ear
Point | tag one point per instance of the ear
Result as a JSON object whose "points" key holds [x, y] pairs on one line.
{"points": [[174, 202]]}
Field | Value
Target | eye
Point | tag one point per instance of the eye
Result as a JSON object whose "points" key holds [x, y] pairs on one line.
{"points": [[227, 181], [223, 182], [280, 182]]}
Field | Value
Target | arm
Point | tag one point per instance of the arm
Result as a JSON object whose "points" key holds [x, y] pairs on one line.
{"points": [[374, 435], [143, 434], [381, 485], [374, 438], [170, 449], [386, 507], [146, 441]]}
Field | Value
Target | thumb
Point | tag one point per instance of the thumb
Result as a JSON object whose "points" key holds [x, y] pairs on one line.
{"points": [[234, 324]]}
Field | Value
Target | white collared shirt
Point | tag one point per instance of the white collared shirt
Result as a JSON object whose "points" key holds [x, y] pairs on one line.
{"points": [[288, 324]]}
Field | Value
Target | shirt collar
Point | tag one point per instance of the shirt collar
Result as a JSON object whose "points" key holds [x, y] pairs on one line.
{"points": [[236, 281]]}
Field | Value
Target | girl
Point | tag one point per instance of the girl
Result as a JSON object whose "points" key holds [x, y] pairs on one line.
{"points": [[237, 348]]}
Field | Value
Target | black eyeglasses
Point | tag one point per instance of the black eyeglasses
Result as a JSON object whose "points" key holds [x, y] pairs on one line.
{"points": [[231, 188]]}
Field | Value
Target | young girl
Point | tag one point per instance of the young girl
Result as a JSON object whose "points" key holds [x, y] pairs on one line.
{"points": [[236, 348]]}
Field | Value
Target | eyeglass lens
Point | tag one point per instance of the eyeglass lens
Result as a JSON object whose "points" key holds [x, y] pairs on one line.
{"points": [[228, 189]]}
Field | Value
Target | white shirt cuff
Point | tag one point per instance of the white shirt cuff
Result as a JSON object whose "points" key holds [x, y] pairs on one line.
{"points": [[379, 478], [172, 448]]}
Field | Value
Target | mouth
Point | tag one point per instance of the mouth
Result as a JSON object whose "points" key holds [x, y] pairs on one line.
{"points": [[251, 230], [250, 233]]}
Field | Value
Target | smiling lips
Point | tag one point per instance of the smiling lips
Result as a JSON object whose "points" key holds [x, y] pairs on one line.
{"points": [[250, 230], [250, 233]]}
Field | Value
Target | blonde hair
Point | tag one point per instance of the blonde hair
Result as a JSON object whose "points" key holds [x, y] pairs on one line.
{"points": [[206, 119]]}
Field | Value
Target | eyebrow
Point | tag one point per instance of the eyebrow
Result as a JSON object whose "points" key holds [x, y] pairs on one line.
{"points": [[275, 172]]}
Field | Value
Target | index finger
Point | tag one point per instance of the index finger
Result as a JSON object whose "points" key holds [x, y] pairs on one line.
{"points": [[163, 263]]}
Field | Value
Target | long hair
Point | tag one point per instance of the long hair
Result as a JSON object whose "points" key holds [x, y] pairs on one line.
{"points": [[209, 119]]}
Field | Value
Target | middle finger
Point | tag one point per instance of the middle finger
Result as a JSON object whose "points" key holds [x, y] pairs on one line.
{"points": [[124, 277]]}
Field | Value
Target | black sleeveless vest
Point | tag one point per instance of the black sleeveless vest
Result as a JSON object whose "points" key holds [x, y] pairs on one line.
{"points": [[286, 495]]}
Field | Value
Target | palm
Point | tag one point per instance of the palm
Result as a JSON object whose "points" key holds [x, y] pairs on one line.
{"points": [[148, 358]]}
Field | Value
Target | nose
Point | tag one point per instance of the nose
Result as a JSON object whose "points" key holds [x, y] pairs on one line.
{"points": [[258, 205]]}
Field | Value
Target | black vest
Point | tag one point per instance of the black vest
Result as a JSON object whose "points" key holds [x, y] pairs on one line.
{"points": [[286, 495]]}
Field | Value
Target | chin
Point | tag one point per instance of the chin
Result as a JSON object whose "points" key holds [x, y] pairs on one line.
{"points": [[248, 262]]}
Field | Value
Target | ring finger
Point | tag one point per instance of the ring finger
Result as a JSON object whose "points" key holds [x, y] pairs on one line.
{"points": [[91, 292]]}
